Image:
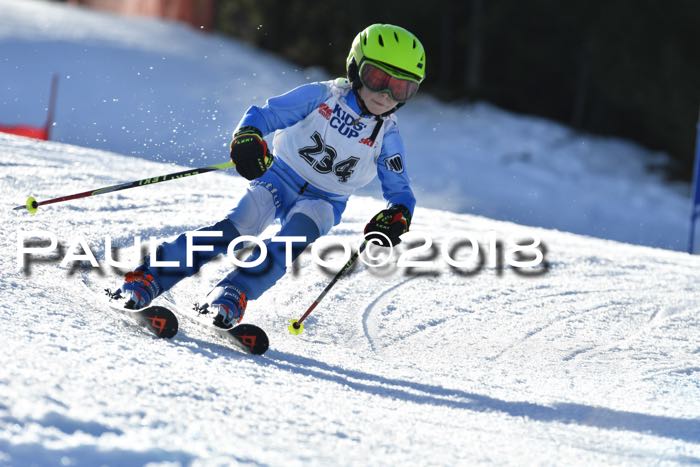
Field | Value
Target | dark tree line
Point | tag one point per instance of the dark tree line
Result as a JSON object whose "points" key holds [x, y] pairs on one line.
{"points": [[629, 68]]}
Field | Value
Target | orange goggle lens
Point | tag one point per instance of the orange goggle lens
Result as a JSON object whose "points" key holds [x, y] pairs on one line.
{"points": [[378, 80]]}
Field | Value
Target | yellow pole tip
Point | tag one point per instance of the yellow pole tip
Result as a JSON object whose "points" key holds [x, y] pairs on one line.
{"points": [[32, 205], [295, 327]]}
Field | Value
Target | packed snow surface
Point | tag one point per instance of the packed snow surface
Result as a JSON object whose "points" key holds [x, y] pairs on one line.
{"points": [[595, 360]]}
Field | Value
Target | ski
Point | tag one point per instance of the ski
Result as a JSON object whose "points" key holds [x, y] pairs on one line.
{"points": [[157, 319], [249, 338]]}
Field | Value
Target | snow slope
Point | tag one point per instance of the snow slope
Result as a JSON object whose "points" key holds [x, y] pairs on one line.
{"points": [[595, 362], [165, 92]]}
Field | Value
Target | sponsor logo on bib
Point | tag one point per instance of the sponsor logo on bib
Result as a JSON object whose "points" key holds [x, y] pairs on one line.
{"points": [[346, 124]]}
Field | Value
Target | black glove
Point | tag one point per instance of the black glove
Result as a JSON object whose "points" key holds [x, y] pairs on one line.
{"points": [[392, 222], [249, 152]]}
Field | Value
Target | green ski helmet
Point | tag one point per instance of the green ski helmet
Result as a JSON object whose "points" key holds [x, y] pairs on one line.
{"points": [[393, 48]]}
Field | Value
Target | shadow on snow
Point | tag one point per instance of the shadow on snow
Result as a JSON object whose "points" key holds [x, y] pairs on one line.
{"points": [[570, 413]]}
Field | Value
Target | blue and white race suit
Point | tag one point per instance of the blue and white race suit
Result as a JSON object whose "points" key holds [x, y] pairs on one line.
{"points": [[323, 153]]}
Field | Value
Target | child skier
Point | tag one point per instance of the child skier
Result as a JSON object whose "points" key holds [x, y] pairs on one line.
{"points": [[331, 138]]}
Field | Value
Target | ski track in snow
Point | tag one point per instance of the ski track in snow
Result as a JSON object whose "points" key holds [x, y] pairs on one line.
{"points": [[371, 307]]}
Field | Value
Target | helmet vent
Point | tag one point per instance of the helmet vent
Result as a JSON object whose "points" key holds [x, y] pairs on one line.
{"points": [[381, 41], [396, 36], [414, 43]]}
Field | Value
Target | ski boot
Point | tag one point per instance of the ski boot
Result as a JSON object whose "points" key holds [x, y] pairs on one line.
{"points": [[139, 289], [229, 305]]}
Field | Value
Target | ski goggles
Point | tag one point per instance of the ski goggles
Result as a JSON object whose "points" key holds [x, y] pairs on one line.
{"points": [[378, 79]]}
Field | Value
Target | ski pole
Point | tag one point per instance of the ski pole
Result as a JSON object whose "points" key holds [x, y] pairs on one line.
{"points": [[32, 204], [297, 327]]}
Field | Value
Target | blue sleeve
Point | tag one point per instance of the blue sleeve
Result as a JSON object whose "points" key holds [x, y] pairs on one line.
{"points": [[286, 110], [391, 169]]}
